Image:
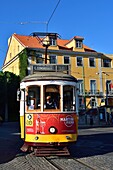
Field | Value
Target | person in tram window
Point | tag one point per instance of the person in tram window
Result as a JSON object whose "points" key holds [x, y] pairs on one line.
{"points": [[32, 105], [50, 104]]}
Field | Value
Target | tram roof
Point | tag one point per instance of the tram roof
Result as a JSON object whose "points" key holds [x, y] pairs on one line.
{"points": [[49, 76]]}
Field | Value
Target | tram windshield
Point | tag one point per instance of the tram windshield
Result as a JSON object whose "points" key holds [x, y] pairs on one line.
{"points": [[33, 98], [53, 97], [68, 98]]}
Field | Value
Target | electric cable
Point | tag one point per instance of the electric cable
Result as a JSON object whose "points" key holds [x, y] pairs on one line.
{"points": [[52, 15]]}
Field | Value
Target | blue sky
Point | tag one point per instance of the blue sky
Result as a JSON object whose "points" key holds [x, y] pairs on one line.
{"points": [[92, 19]]}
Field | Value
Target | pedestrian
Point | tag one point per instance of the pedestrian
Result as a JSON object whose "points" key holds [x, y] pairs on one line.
{"points": [[111, 117], [91, 120], [108, 120]]}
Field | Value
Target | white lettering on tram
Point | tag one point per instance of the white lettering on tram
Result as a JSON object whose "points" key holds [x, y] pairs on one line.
{"points": [[68, 120]]}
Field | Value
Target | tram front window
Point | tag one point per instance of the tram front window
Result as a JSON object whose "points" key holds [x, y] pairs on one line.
{"points": [[68, 98], [52, 97], [33, 97]]}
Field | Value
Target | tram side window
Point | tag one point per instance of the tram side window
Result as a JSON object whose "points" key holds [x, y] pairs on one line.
{"points": [[68, 98], [52, 97], [33, 98]]}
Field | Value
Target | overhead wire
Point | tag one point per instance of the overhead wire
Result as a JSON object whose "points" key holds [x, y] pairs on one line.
{"points": [[52, 15], [35, 22], [24, 22]]}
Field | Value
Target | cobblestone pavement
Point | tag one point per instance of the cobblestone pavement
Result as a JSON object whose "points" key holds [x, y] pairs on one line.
{"points": [[94, 150]]}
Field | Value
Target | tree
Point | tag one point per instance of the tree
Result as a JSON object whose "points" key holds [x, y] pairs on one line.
{"points": [[9, 83], [23, 64]]}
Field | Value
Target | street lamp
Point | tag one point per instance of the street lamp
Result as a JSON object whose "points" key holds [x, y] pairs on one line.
{"points": [[46, 44], [102, 88], [83, 75]]}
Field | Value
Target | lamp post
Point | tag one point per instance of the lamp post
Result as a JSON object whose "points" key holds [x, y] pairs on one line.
{"points": [[46, 44], [84, 95], [103, 87]]}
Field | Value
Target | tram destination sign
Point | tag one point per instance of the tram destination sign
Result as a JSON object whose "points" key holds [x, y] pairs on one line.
{"points": [[43, 68], [50, 67]]}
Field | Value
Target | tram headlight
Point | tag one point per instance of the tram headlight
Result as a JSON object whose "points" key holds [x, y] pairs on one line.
{"points": [[52, 130]]}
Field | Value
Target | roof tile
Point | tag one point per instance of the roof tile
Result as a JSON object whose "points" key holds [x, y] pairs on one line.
{"points": [[35, 42]]}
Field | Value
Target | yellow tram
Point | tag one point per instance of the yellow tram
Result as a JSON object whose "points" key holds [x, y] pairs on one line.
{"points": [[48, 104]]}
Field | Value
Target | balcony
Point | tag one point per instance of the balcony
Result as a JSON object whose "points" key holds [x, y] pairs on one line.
{"points": [[109, 93], [91, 93]]}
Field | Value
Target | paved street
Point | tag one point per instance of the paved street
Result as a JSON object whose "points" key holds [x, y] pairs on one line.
{"points": [[94, 150], [10, 141]]}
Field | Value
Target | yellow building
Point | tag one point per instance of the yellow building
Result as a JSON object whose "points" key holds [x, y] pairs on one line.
{"points": [[92, 69]]}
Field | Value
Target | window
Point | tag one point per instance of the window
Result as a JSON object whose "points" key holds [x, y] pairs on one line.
{"points": [[66, 60], [92, 62], [52, 41], [52, 59], [108, 86], [52, 97], [80, 84], [93, 86], [79, 61], [93, 103], [18, 48], [68, 98], [79, 43], [106, 63], [39, 59], [33, 98], [81, 103]]}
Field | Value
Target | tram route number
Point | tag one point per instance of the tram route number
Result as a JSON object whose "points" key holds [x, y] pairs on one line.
{"points": [[29, 123]]}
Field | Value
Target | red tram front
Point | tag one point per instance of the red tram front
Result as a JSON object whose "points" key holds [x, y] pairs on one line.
{"points": [[48, 106]]}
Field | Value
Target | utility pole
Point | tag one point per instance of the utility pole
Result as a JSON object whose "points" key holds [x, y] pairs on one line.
{"points": [[84, 95]]}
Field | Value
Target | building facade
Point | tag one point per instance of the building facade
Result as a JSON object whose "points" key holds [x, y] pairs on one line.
{"points": [[93, 70]]}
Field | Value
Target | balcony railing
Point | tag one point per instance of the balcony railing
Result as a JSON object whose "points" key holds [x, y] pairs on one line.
{"points": [[91, 93], [109, 93], [95, 93]]}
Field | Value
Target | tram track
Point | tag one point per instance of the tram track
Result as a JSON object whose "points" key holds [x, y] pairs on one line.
{"points": [[53, 164], [86, 165], [67, 163]]}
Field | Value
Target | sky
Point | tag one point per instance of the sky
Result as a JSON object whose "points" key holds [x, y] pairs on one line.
{"points": [[91, 19]]}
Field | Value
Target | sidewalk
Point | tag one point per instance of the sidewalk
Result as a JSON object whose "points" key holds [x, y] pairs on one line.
{"points": [[84, 126]]}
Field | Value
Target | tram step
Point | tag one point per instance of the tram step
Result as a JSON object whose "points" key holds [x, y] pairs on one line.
{"points": [[51, 151]]}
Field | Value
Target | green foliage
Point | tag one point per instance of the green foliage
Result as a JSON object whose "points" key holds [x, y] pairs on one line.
{"points": [[9, 83], [23, 64]]}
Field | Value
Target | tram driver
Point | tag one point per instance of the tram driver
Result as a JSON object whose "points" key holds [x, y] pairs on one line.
{"points": [[50, 104]]}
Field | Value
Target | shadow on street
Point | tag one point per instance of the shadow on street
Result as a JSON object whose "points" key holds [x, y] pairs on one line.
{"points": [[92, 145], [10, 141], [86, 146]]}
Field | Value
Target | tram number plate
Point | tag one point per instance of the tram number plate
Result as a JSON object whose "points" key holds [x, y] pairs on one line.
{"points": [[29, 120]]}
